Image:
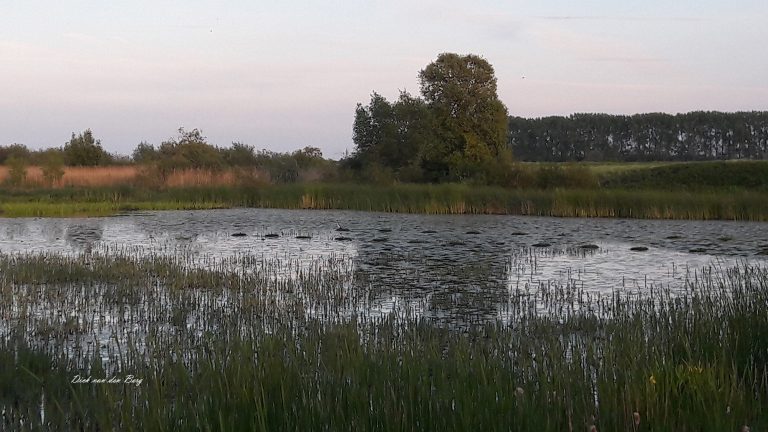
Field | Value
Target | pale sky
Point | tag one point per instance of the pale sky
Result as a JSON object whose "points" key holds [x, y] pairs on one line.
{"points": [[283, 75]]}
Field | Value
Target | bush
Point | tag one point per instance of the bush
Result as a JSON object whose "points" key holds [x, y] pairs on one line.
{"points": [[53, 167], [189, 150], [17, 170], [85, 150]]}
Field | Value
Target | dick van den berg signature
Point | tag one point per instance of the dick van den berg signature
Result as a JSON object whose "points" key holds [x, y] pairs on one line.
{"points": [[128, 379]]}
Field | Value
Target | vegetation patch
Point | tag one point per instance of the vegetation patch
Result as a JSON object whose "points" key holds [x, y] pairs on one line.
{"points": [[181, 358]]}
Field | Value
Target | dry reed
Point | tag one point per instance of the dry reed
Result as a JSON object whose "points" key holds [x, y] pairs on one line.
{"points": [[106, 176]]}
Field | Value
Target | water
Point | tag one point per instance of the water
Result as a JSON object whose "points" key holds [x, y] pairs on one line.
{"points": [[381, 242], [435, 261], [453, 270]]}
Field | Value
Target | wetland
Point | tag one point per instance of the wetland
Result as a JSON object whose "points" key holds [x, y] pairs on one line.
{"points": [[263, 319]]}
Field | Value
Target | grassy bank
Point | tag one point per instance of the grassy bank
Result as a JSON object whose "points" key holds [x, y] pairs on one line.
{"points": [[261, 361], [691, 176], [405, 198]]}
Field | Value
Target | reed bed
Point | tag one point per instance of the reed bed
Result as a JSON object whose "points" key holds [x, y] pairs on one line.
{"points": [[126, 175], [251, 343], [195, 177], [79, 176], [404, 198]]}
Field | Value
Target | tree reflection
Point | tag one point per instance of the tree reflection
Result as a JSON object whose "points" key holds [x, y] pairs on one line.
{"points": [[83, 236], [448, 283]]}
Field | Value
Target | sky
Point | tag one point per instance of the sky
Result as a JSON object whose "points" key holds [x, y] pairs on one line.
{"points": [[282, 75]]}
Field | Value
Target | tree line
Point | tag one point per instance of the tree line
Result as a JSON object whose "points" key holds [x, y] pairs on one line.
{"points": [[456, 130], [189, 149], [693, 136]]}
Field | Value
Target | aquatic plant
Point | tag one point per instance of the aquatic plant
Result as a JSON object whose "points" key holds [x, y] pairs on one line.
{"points": [[250, 343]]}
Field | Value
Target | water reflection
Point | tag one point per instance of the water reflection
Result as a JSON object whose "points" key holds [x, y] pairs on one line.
{"points": [[447, 266], [84, 235]]}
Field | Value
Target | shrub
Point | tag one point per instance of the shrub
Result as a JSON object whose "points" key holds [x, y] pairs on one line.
{"points": [[85, 150], [17, 170], [53, 167]]}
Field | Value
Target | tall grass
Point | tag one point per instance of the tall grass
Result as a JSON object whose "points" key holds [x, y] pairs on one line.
{"points": [[404, 198], [219, 350], [79, 176], [707, 190]]}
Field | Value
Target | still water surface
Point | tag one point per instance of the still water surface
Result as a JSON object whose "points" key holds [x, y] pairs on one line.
{"points": [[455, 270], [417, 252]]}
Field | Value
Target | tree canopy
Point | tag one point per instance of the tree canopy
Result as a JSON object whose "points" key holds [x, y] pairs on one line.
{"points": [[85, 150], [457, 131], [641, 137]]}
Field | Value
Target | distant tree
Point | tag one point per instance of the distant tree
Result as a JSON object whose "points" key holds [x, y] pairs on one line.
{"points": [[282, 167], [307, 157], [20, 151], [239, 155], [17, 170], [189, 150], [311, 152], [641, 137], [472, 121], [53, 167], [391, 137], [373, 128], [144, 153], [85, 150]]}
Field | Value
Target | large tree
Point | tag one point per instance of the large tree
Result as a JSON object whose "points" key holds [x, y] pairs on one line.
{"points": [[392, 136], [472, 121]]}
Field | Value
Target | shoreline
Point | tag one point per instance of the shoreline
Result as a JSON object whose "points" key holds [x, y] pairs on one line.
{"points": [[737, 204]]}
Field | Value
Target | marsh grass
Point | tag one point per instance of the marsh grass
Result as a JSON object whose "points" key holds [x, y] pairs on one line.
{"points": [[255, 344], [401, 198]]}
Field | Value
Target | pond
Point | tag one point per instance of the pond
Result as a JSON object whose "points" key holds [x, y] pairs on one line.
{"points": [[444, 266], [339, 266]]}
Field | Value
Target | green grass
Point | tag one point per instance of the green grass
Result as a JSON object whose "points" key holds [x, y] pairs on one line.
{"points": [[740, 204], [693, 176], [733, 190], [600, 169], [690, 362], [91, 209]]}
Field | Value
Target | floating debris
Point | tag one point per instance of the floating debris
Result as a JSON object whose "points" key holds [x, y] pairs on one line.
{"points": [[271, 235], [541, 245], [239, 234], [638, 248]]}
